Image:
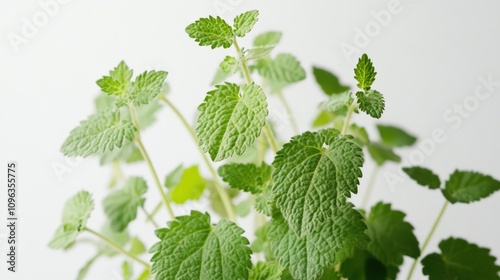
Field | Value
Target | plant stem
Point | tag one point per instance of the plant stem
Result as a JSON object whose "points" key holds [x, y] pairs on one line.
{"points": [[348, 116], [149, 218], [248, 79], [226, 201], [369, 187], [428, 238], [117, 247], [261, 150], [288, 111], [146, 157]]}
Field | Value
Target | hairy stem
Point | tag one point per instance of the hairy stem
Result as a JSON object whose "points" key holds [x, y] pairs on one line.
{"points": [[288, 111], [428, 238], [226, 201], [117, 247], [146, 157], [348, 116], [369, 187]]}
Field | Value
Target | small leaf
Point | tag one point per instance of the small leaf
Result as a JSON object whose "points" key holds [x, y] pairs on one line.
{"points": [[391, 236], [258, 52], [365, 73], [423, 177], [381, 153], [231, 118], [213, 32], [246, 177], [137, 247], [266, 271], [190, 187], [146, 87], [323, 118], [244, 22], [469, 186], [99, 133], [121, 206], [118, 82], [393, 136], [328, 82], [191, 248], [243, 208], [281, 71], [371, 102], [336, 101], [460, 260], [270, 38], [229, 64]]}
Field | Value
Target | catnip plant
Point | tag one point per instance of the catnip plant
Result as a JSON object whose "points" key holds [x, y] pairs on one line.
{"points": [[298, 190]]}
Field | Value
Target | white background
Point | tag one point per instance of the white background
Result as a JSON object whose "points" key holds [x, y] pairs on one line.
{"points": [[429, 57]]}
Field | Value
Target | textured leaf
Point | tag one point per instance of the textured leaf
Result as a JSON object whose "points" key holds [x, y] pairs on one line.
{"points": [[381, 153], [363, 266], [469, 186], [191, 248], [213, 32], [394, 136], [118, 82], [460, 260], [146, 87], [244, 22], [231, 118], [190, 186], [391, 236], [281, 71], [335, 101], [266, 271], [264, 202], [314, 174], [121, 206], [371, 102], [334, 241], [423, 176], [99, 133], [328, 82], [246, 177], [76, 212], [364, 73], [270, 38]]}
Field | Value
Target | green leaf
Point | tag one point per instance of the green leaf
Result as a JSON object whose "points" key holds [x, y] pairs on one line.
{"points": [[328, 82], [231, 118], [334, 240], [266, 271], [262, 242], [118, 82], [99, 133], [394, 136], [314, 174], [423, 176], [336, 101], [258, 52], [363, 266], [323, 118], [146, 114], [121, 206], [137, 247], [213, 32], [330, 273], [364, 73], [281, 71], [391, 236], [359, 133], [371, 102], [469, 186], [264, 202], [216, 202], [127, 272], [82, 273], [76, 212], [229, 64], [270, 38], [243, 208], [192, 248], [128, 153], [246, 177], [460, 260], [174, 177], [145, 88], [381, 153], [144, 275], [244, 22], [190, 187]]}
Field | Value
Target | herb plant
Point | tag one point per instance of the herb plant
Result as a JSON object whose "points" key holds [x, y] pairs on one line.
{"points": [[298, 190]]}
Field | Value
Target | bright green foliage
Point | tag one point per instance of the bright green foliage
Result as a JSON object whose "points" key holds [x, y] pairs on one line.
{"points": [[380, 154], [393, 136], [231, 118], [460, 260], [334, 240], [270, 38], [315, 173], [191, 248], [423, 177], [137, 247], [364, 73], [244, 22], [264, 202], [190, 186], [469, 186], [329, 83], [146, 87], [145, 275], [229, 64], [127, 271], [246, 177], [336, 101], [391, 236], [76, 212], [99, 133], [363, 266], [118, 82], [323, 118], [371, 102], [121, 206], [266, 271], [281, 71], [211, 31]]}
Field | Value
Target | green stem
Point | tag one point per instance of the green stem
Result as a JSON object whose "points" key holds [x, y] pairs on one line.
{"points": [[369, 187], [288, 111], [270, 138], [262, 149], [348, 116], [428, 238], [149, 218], [146, 157], [226, 201], [117, 247]]}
